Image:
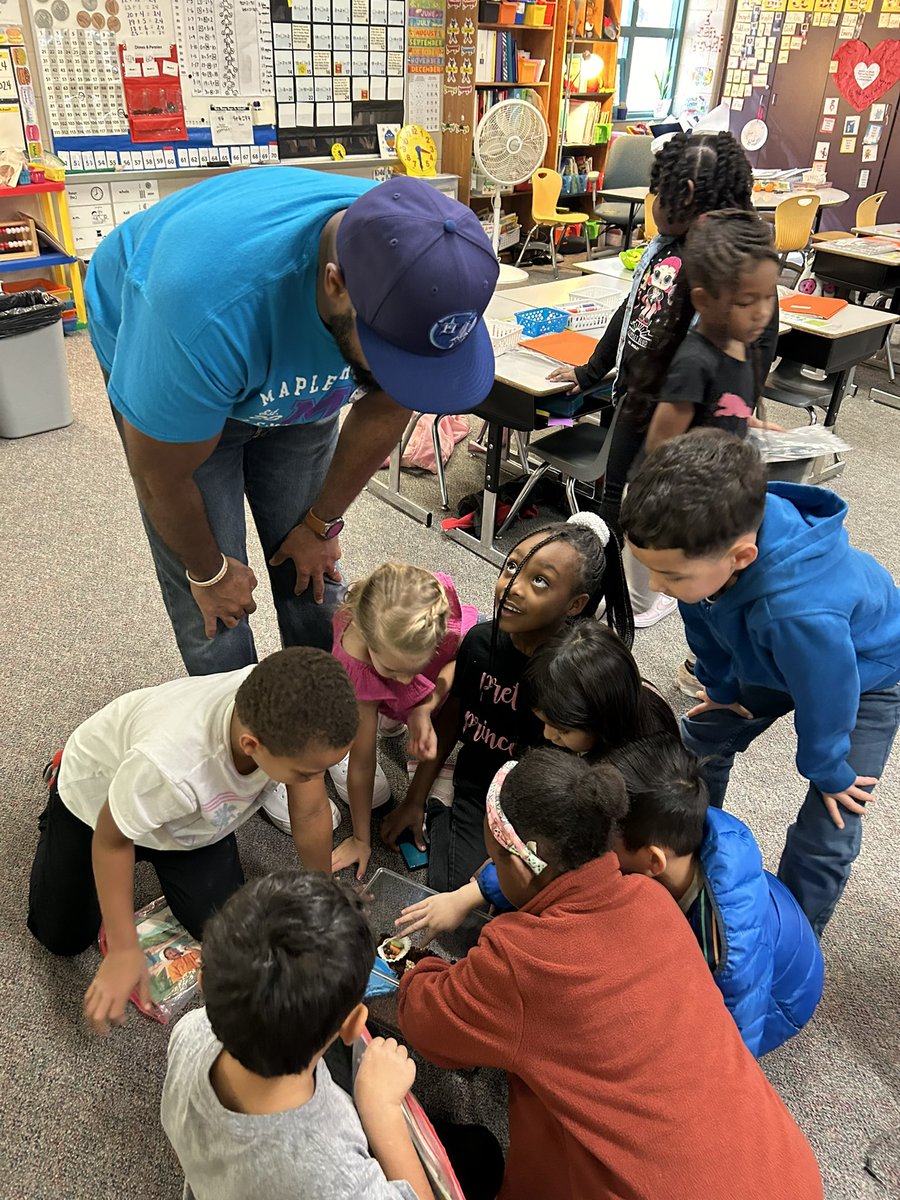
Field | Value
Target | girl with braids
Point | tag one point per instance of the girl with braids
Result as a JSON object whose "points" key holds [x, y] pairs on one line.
{"points": [[692, 175], [396, 635], [557, 575]]}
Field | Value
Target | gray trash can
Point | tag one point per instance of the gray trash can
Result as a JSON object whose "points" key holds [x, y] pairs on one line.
{"points": [[34, 386]]}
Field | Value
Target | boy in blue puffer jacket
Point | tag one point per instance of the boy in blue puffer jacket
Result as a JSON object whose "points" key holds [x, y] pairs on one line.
{"points": [[783, 615], [759, 946]]}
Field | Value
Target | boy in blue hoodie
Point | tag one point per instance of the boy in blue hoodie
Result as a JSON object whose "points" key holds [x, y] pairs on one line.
{"points": [[783, 615], [761, 949]]}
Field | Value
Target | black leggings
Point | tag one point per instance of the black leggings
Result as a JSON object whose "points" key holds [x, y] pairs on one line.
{"points": [[63, 910]]}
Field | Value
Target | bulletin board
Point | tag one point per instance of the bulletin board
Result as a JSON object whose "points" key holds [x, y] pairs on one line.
{"points": [[340, 71], [18, 108], [824, 75], [156, 84]]}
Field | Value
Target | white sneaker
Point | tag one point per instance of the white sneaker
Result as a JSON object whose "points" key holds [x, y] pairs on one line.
{"points": [[662, 606], [382, 790], [390, 729], [442, 788], [275, 806]]}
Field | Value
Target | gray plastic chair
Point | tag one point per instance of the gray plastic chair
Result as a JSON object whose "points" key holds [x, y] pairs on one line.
{"points": [[579, 454], [628, 164]]}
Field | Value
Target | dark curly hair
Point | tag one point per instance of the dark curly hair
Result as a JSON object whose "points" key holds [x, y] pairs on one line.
{"points": [[285, 962], [570, 808], [699, 173], [296, 697], [692, 175], [696, 493]]}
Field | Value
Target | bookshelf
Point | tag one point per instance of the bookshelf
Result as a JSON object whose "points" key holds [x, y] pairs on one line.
{"points": [[465, 102], [589, 61]]}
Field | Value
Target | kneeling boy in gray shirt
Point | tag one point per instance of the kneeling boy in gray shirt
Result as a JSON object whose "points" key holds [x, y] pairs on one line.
{"points": [[248, 1103]]}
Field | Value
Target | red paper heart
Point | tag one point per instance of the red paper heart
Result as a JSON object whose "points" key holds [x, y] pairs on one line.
{"points": [[886, 55]]}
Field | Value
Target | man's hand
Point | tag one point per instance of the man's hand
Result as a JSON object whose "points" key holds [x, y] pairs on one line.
{"points": [[422, 743], [229, 600], [707, 705], [121, 973], [314, 559], [385, 1075], [437, 914], [409, 814], [565, 375], [854, 799], [351, 850]]}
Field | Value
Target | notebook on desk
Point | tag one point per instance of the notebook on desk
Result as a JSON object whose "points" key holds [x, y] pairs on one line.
{"points": [[571, 348], [822, 307]]}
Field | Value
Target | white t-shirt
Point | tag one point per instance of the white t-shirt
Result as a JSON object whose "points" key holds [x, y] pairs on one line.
{"points": [[162, 757]]}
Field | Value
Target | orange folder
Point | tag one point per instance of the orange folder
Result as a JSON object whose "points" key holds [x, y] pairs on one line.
{"points": [[812, 306], [569, 347]]}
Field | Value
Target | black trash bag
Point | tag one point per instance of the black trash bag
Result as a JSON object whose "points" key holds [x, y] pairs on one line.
{"points": [[24, 312]]}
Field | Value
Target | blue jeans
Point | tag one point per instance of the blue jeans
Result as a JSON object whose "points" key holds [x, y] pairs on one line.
{"points": [[280, 470], [817, 856]]}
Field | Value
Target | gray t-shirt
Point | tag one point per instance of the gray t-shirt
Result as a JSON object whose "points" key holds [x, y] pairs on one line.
{"points": [[315, 1152]]}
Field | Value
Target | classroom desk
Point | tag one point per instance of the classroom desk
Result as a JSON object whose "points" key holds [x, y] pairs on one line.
{"points": [[632, 196], [828, 198], [609, 268], [891, 229]]}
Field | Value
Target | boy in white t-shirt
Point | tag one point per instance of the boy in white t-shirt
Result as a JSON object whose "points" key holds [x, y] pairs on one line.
{"points": [[166, 775]]}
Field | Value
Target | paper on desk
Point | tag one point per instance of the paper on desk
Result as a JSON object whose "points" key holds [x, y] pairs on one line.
{"points": [[569, 347]]}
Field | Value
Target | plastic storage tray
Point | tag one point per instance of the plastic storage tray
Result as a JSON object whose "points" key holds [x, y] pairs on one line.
{"points": [[387, 894], [505, 335], [592, 307], [537, 321]]}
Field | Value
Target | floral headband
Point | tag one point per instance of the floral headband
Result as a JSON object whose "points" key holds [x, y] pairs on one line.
{"points": [[500, 826]]}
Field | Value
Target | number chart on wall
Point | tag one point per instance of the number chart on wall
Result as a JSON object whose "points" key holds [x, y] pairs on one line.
{"points": [[142, 84], [339, 72]]}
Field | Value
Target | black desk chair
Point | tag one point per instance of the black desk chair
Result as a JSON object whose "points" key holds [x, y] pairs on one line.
{"points": [[579, 454], [799, 386]]}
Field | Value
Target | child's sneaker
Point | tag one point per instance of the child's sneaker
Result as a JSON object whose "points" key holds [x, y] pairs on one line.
{"points": [[381, 793], [662, 606], [442, 788], [686, 679], [275, 806], [390, 729]]}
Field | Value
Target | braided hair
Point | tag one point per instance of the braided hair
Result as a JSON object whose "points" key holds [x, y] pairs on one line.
{"points": [[720, 248], [600, 570], [691, 175], [400, 608]]}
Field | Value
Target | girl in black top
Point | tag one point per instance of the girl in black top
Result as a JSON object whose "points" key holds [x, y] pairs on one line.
{"points": [[554, 576]]}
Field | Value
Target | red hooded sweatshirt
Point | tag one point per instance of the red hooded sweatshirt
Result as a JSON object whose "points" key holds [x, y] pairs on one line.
{"points": [[628, 1078]]}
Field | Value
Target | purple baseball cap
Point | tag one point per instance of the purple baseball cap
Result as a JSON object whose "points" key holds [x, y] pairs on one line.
{"points": [[420, 271]]}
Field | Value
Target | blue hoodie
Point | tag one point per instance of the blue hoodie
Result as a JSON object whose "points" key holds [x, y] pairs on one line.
{"points": [[812, 617]]}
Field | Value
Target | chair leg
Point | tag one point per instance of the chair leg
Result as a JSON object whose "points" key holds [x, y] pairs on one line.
{"points": [[439, 461], [409, 431], [587, 243], [553, 253], [889, 357], [570, 495], [531, 234], [522, 448], [519, 501]]}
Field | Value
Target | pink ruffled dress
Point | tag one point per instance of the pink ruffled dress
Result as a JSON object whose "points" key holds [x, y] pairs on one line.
{"points": [[395, 699]]}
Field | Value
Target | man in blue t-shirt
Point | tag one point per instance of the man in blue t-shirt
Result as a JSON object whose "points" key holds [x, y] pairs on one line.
{"points": [[233, 321]]}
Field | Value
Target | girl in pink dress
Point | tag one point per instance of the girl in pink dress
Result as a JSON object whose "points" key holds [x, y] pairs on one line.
{"points": [[396, 636]]}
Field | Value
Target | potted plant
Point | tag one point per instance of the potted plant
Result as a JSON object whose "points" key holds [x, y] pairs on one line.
{"points": [[663, 87]]}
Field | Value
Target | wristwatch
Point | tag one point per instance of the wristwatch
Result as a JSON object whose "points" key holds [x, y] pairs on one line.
{"points": [[323, 529]]}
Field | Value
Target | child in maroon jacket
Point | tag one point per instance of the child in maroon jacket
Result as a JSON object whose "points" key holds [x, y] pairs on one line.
{"points": [[628, 1079]]}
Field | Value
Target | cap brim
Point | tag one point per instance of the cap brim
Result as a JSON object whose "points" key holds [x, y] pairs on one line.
{"points": [[455, 382]]}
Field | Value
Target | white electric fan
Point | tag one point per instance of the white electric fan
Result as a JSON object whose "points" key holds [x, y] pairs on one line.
{"points": [[510, 144]]}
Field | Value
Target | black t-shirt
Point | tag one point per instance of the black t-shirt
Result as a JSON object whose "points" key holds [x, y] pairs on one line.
{"points": [[721, 388], [496, 723]]}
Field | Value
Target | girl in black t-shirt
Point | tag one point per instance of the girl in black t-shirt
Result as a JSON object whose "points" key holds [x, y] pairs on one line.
{"points": [[556, 575]]}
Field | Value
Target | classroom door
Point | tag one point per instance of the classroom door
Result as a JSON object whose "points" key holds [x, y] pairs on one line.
{"points": [[795, 99]]}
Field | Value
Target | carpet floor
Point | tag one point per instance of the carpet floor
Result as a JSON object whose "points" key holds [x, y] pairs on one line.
{"points": [[84, 622]]}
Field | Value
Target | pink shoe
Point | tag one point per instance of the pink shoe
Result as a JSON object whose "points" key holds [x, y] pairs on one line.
{"points": [[662, 606]]}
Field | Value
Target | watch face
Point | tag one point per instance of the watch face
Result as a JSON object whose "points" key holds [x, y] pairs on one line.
{"points": [[333, 528]]}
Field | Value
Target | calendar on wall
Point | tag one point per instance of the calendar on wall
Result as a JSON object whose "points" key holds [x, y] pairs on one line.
{"points": [[340, 69]]}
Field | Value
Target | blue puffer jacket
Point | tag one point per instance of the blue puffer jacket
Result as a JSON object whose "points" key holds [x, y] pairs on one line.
{"points": [[771, 970]]}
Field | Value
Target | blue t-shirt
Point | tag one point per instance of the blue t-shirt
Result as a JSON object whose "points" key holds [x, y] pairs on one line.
{"points": [[204, 306]]}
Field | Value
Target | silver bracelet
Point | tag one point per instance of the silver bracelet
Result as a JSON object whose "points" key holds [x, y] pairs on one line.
{"points": [[220, 575]]}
